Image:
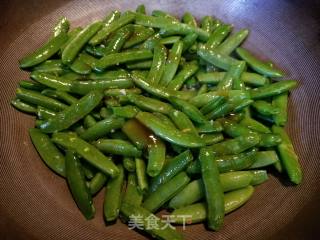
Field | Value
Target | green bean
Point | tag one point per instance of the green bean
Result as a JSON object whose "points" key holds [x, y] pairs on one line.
{"points": [[218, 35], [140, 34], [259, 176], [53, 66], [264, 108], [228, 163], [96, 51], [232, 42], [278, 166], [166, 119], [117, 147], [214, 195], [202, 89], [212, 104], [252, 79], [281, 103], [106, 30], [118, 40], [101, 128], [22, 106], [78, 186], [71, 76], [36, 98], [171, 169], [159, 91], [165, 192], [158, 64], [236, 145], [140, 65], [161, 232], [209, 127], [198, 212], [61, 27], [87, 151], [88, 170], [51, 47], [128, 111], [60, 95], [150, 104], [172, 63], [194, 191], [71, 35], [121, 92], [123, 57], [168, 133], [97, 183], [30, 85], [129, 164], [264, 158], [73, 48], [216, 24], [51, 81], [137, 133], [44, 113], [84, 87], [141, 9], [221, 61], [156, 157], [186, 72], [203, 99], [207, 24], [132, 195], [141, 175], [182, 122], [189, 109], [79, 66], [113, 196], [89, 121], [171, 26], [254, 125], [73, 113], [105, 112], [52, 157], [257, 64], [110, 75], [288, 157], [231, 79], [188, 41], [187, 18], [169, 40], [211, 138]]}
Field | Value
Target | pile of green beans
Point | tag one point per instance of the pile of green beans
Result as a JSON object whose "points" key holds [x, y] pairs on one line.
{"points": [[162, 113]]}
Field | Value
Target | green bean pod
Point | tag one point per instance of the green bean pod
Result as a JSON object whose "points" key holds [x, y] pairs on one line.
{"points": [[73, 113], [158, 64], [97, 183], [186, 72], [24, 107], [54, 66], [172, 63], [214, 195], [118, 147], [141, 175], [44, 113], [73, 48], [129, 164], [106, 30], [170, 134], [198, 212], [182, 122], [34, 97], [132, 195], [30, 85], [257, 65], [139, 35], [232, 42], [87, 151], [218, 35], [78, 185], [264, 158], [264, 108], [113, 196], [281, 103], [288, 157], [165, 192], [118, 40], [49, 153], [156, 157], [60, 95], [150, 104]]}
